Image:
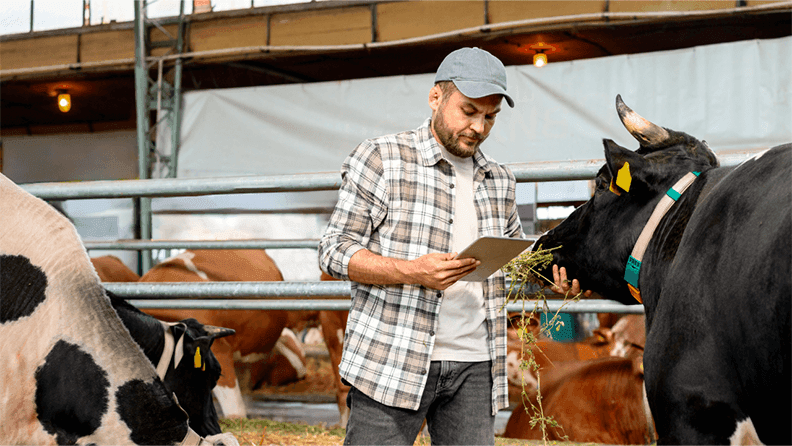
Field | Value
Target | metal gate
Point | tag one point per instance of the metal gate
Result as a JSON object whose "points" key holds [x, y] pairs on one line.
{"points": [[280, 295]]}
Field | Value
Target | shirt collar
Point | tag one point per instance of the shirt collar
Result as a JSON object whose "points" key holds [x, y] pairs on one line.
{"points": [[429, 148]]}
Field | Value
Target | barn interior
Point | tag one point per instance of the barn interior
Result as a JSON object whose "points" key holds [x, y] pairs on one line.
{"points": [[719, 69], [301, 45]]}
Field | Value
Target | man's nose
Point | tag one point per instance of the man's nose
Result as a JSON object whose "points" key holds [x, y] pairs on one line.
{"points": [[477, 124]]}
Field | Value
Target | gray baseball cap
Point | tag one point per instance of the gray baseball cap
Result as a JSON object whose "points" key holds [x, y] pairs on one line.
{"points": [[475, 72]]}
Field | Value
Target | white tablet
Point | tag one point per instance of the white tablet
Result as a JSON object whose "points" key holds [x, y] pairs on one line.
{"points": [[493, 252]]}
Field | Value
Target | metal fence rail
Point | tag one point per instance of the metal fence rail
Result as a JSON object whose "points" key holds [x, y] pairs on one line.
{"points": [[255, 290], [588, 306], [175, 187], [205, 244], [183, 295], [331, 295]]}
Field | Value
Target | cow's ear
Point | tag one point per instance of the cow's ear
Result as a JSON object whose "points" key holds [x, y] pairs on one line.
{"points": [[624, 165]]}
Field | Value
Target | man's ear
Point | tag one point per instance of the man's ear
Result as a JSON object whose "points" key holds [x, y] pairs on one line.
{"points": [[435, 97]]}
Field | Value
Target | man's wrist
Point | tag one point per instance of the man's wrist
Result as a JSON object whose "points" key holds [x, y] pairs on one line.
{"points": [[403, 269]]}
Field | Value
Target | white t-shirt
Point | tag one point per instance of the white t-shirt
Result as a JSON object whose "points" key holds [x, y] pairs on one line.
{"points": [[461, 333]]}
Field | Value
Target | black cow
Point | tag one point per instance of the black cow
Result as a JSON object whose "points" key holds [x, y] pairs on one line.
{"points": [[714, 278], [70, 372], [190, 372]]}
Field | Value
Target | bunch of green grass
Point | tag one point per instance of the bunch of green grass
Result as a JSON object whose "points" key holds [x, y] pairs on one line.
{"points": [[524, 272], [524, 269]]}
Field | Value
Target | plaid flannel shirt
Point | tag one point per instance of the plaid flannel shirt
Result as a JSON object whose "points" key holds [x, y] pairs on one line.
{"points": [[396, 200]]}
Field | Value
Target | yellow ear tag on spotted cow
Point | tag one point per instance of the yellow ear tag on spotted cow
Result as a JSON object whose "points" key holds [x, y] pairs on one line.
{"points": [[197, 359], [623, 178]]}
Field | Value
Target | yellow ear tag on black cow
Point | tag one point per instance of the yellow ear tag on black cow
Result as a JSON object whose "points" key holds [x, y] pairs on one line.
{"points": [[623, 178], [197, 359]]}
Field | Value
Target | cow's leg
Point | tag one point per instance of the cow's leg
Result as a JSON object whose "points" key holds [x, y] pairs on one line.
{"points": [[227, 390], [231, 402], [650, 424], [688, 389], [333, 328]]}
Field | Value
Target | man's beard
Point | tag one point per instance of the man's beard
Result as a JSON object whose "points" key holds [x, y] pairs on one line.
{"points": [[450, 141]]}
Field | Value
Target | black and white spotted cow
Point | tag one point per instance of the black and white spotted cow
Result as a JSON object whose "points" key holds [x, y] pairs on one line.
{"points": [[70, 372], [181, 353], [708, 250]]}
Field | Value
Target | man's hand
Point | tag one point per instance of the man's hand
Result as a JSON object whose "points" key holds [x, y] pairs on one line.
{"points": [[564, 286], [436, 270], [440, 271]]}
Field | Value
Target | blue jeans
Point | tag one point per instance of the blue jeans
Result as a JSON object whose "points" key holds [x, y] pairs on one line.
{"points": [[456, 404]]}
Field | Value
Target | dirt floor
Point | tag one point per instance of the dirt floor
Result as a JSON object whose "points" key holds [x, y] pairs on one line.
{"points": [[316, 387], [260, 432]]}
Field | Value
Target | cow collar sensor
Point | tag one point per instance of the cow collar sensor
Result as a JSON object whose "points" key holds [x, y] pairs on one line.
{"points": [[633, 267]]}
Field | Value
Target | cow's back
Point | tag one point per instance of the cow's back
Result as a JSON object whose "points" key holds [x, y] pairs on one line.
{"points": [[223, 265], [734, 261], [112, 269], [217, 265]]}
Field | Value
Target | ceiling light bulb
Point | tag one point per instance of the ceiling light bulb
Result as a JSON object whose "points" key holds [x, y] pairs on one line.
{"points": [[64, 102], [540, 60]]}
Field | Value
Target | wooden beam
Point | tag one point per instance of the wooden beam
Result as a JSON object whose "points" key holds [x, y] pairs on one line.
{"points": [[404, 20], [228, 33], [668, 5], [330, 27], [108, 45], [37, 52], [508, 11]]}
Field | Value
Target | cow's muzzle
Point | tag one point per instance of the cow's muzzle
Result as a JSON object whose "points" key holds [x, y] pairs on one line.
{"points": [[193, 439]]}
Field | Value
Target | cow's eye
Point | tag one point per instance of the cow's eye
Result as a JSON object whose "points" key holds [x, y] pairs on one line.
{"points": [[600, 183]]}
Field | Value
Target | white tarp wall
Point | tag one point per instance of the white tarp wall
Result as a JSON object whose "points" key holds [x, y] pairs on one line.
{"points": [[736, 96]]}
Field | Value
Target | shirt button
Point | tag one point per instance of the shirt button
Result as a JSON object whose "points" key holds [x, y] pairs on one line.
{"points": [[450, 220], [423, 372], [451, 185], [431, 333], [439, 294]]}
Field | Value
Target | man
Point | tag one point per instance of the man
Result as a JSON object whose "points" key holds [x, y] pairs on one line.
{"points": [[420, 343]]}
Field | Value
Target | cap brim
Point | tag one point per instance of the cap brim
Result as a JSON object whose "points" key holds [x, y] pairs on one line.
{"points": [[475, 90]]}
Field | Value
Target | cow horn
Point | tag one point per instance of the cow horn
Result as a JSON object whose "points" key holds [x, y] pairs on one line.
{"points": [[218, 332], [641, 129]]}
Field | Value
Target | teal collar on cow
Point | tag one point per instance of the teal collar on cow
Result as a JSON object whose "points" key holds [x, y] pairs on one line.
{"points": [[634, 262]]}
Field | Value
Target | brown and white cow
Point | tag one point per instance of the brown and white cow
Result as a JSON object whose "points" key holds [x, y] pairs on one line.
{"points": [[333, 324], [599, 401], [71, 373], [547, 353], [565, 368], [627, 337], [257, 331], [286, 363]]}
